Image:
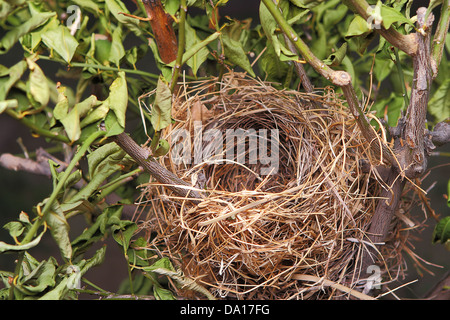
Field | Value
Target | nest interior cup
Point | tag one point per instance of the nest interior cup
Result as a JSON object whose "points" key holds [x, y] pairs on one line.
{"points": [[286, 197]]}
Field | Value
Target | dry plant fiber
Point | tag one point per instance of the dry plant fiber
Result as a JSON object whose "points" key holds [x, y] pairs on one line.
{"points": [[291, 229]]}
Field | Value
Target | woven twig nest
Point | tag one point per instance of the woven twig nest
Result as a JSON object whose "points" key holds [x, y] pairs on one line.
{"points": [[265, 230]]}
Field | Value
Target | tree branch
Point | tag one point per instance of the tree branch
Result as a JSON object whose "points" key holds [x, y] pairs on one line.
{"points": [[411, 153], [168, 179], [405, 43], [181, 44], [409, 143], [339, 78], [161, 24]]}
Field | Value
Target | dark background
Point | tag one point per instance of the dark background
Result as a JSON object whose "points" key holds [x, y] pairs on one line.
{"points": [[20, 191]]}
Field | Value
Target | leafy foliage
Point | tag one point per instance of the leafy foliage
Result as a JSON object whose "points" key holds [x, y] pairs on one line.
{"points": [[104, 46]]}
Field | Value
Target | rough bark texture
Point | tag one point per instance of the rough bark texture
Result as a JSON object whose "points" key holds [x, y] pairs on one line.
{"points": [[161, 174], [161, 23], [409, 145]]}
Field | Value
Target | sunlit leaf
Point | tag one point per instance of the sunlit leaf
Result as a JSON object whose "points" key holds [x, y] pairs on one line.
{"points": [[201, 54], [358, 27], [38, 85], [390, 16], [61, 41], [118, 98], [69, 119], [117, 51], [12, 36]]}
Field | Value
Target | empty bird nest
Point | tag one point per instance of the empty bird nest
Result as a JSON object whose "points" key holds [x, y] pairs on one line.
{"points": [[286, 199]]}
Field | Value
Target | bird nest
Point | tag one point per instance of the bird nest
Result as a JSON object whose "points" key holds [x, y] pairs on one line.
{"points": [[285, 212]]}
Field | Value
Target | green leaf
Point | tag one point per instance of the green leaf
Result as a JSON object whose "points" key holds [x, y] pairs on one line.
{"points": [[12, 36], [162, 149], [235, 53], [336, 58], [163, 263], [200, 54], [394, 103], [117, 51], [162, 107], [8, 104], [69, 119], [308, 4], [441, 231], [390, 16], [87, 4], [87, 105], [4, 247], [117, 7], [358, 27], [197, 46], [60, 40], [41, 278], [269, 26], [172, 6], [439, 104], [112, 125], [9, 78], [272, 66], [59, 229], [38, 85], [104, 156], [96, 114], [123, 231], [96, 260], [382, 68], [161, 293], [97, 230], [118, 98]]}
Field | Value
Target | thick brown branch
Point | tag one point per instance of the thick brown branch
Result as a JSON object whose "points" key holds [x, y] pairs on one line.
{"points": [[381, 220], [39, 166], [161, 23], [409, 144], [412, 153], [180, 187]]}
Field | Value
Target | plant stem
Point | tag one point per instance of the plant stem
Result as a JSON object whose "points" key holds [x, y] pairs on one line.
{"points": [[101, 67], [440, 35], [161, 174], [181, 44], [401, 76], [301, 47], [339, 78], [36, 129], [44, 213], [406, 43], [43, 216]]}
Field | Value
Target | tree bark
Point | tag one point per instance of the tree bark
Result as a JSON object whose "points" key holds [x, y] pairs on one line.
{"points": [[180, 187]]}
